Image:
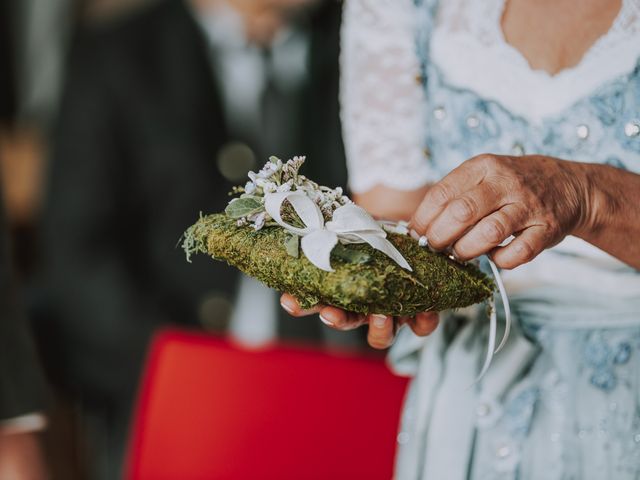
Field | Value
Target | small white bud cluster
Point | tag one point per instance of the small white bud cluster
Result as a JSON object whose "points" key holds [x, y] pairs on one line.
{"points": [[279, 176]]}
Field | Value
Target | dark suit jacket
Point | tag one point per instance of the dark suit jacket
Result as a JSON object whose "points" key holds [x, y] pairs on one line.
{"points": [[22, 387], [133, 163], [7, 84]]}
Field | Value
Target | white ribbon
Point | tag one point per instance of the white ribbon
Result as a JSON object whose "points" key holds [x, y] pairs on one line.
{"points": [[349, 224], [493, 316], [493, 321]]}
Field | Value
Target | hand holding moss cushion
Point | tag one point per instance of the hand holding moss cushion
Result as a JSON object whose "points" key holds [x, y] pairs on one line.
{"points": [[359, 277]]}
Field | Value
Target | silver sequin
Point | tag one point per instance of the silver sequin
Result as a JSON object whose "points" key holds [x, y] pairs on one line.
{"points": [[473, 121]]}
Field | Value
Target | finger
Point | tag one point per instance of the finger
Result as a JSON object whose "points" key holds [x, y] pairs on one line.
{"points": [[439, 195], [424, 323], [463, 212], [526, 246], [381, 331], [341, 320], [490, 232], [292, 307]]}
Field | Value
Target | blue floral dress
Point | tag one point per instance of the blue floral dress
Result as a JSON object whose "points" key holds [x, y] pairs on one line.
{"points": [[562, 401]]}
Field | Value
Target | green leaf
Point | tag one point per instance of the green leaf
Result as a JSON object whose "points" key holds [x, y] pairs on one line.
{"points": [[349, 255], [292, 244], [242, 207]]}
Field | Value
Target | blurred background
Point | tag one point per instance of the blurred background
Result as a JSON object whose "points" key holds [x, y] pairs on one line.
{"points": [[121, 121]]}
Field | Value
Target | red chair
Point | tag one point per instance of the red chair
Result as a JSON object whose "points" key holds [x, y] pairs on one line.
{"points": [[209, 409]]}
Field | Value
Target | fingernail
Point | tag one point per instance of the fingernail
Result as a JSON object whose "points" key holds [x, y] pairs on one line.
{"points": [[379, 321], [325, 321], [286, 307]]}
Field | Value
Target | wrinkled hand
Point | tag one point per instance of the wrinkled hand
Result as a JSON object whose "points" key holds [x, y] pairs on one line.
{"points": [[382, 329], [488, 198], [474, 209]]}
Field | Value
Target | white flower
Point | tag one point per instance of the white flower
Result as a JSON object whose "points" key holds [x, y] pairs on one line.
{"points": [[269, 169], [252, 176], [285, 187], [250, 187], [269, 187], [259, 221]]}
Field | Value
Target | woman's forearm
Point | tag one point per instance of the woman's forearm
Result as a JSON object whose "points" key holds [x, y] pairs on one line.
{"points": [[389, 203], [612, 214]]}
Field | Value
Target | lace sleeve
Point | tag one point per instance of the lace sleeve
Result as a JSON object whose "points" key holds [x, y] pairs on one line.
{"points": [[382, 102]]}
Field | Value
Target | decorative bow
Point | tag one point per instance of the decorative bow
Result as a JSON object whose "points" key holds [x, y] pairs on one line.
{"points": [[349, 224]]}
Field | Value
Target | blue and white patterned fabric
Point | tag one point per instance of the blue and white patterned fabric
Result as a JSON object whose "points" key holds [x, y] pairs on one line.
{"points": [[562, 401]]}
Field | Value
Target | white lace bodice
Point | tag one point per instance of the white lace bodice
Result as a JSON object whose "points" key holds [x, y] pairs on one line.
{"points": [[382, 103], [380, 97]]}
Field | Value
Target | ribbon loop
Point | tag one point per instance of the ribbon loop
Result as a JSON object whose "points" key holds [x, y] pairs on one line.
{"points": [[349, 224]]}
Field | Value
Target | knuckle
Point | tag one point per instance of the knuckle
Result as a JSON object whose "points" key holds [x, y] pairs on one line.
{"points": [[494, 231], [435, 239], [418, 223], [488, 161], [525, 251], [551, 230], [440, 194], [464, 209], [462, 251]]}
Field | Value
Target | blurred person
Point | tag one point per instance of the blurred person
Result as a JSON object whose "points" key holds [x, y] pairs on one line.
{"points": [[22, 386], [161, 114]]}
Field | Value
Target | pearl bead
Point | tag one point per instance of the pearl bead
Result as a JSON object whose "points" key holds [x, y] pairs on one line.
{"points": [[439, 113], [632, 129], [503, 452], [582, 131], [422, 241], [473, 121]]}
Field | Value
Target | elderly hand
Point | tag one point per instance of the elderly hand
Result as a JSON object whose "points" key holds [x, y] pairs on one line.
{"points": [[539, 200], [382, 329]]}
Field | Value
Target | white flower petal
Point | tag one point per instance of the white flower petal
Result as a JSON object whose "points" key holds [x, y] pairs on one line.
{"points": [[307, 210], [351, 218], [317, 248]]}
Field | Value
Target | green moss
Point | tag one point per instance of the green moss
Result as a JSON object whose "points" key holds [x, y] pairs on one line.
{"points": [[377, 286]]}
